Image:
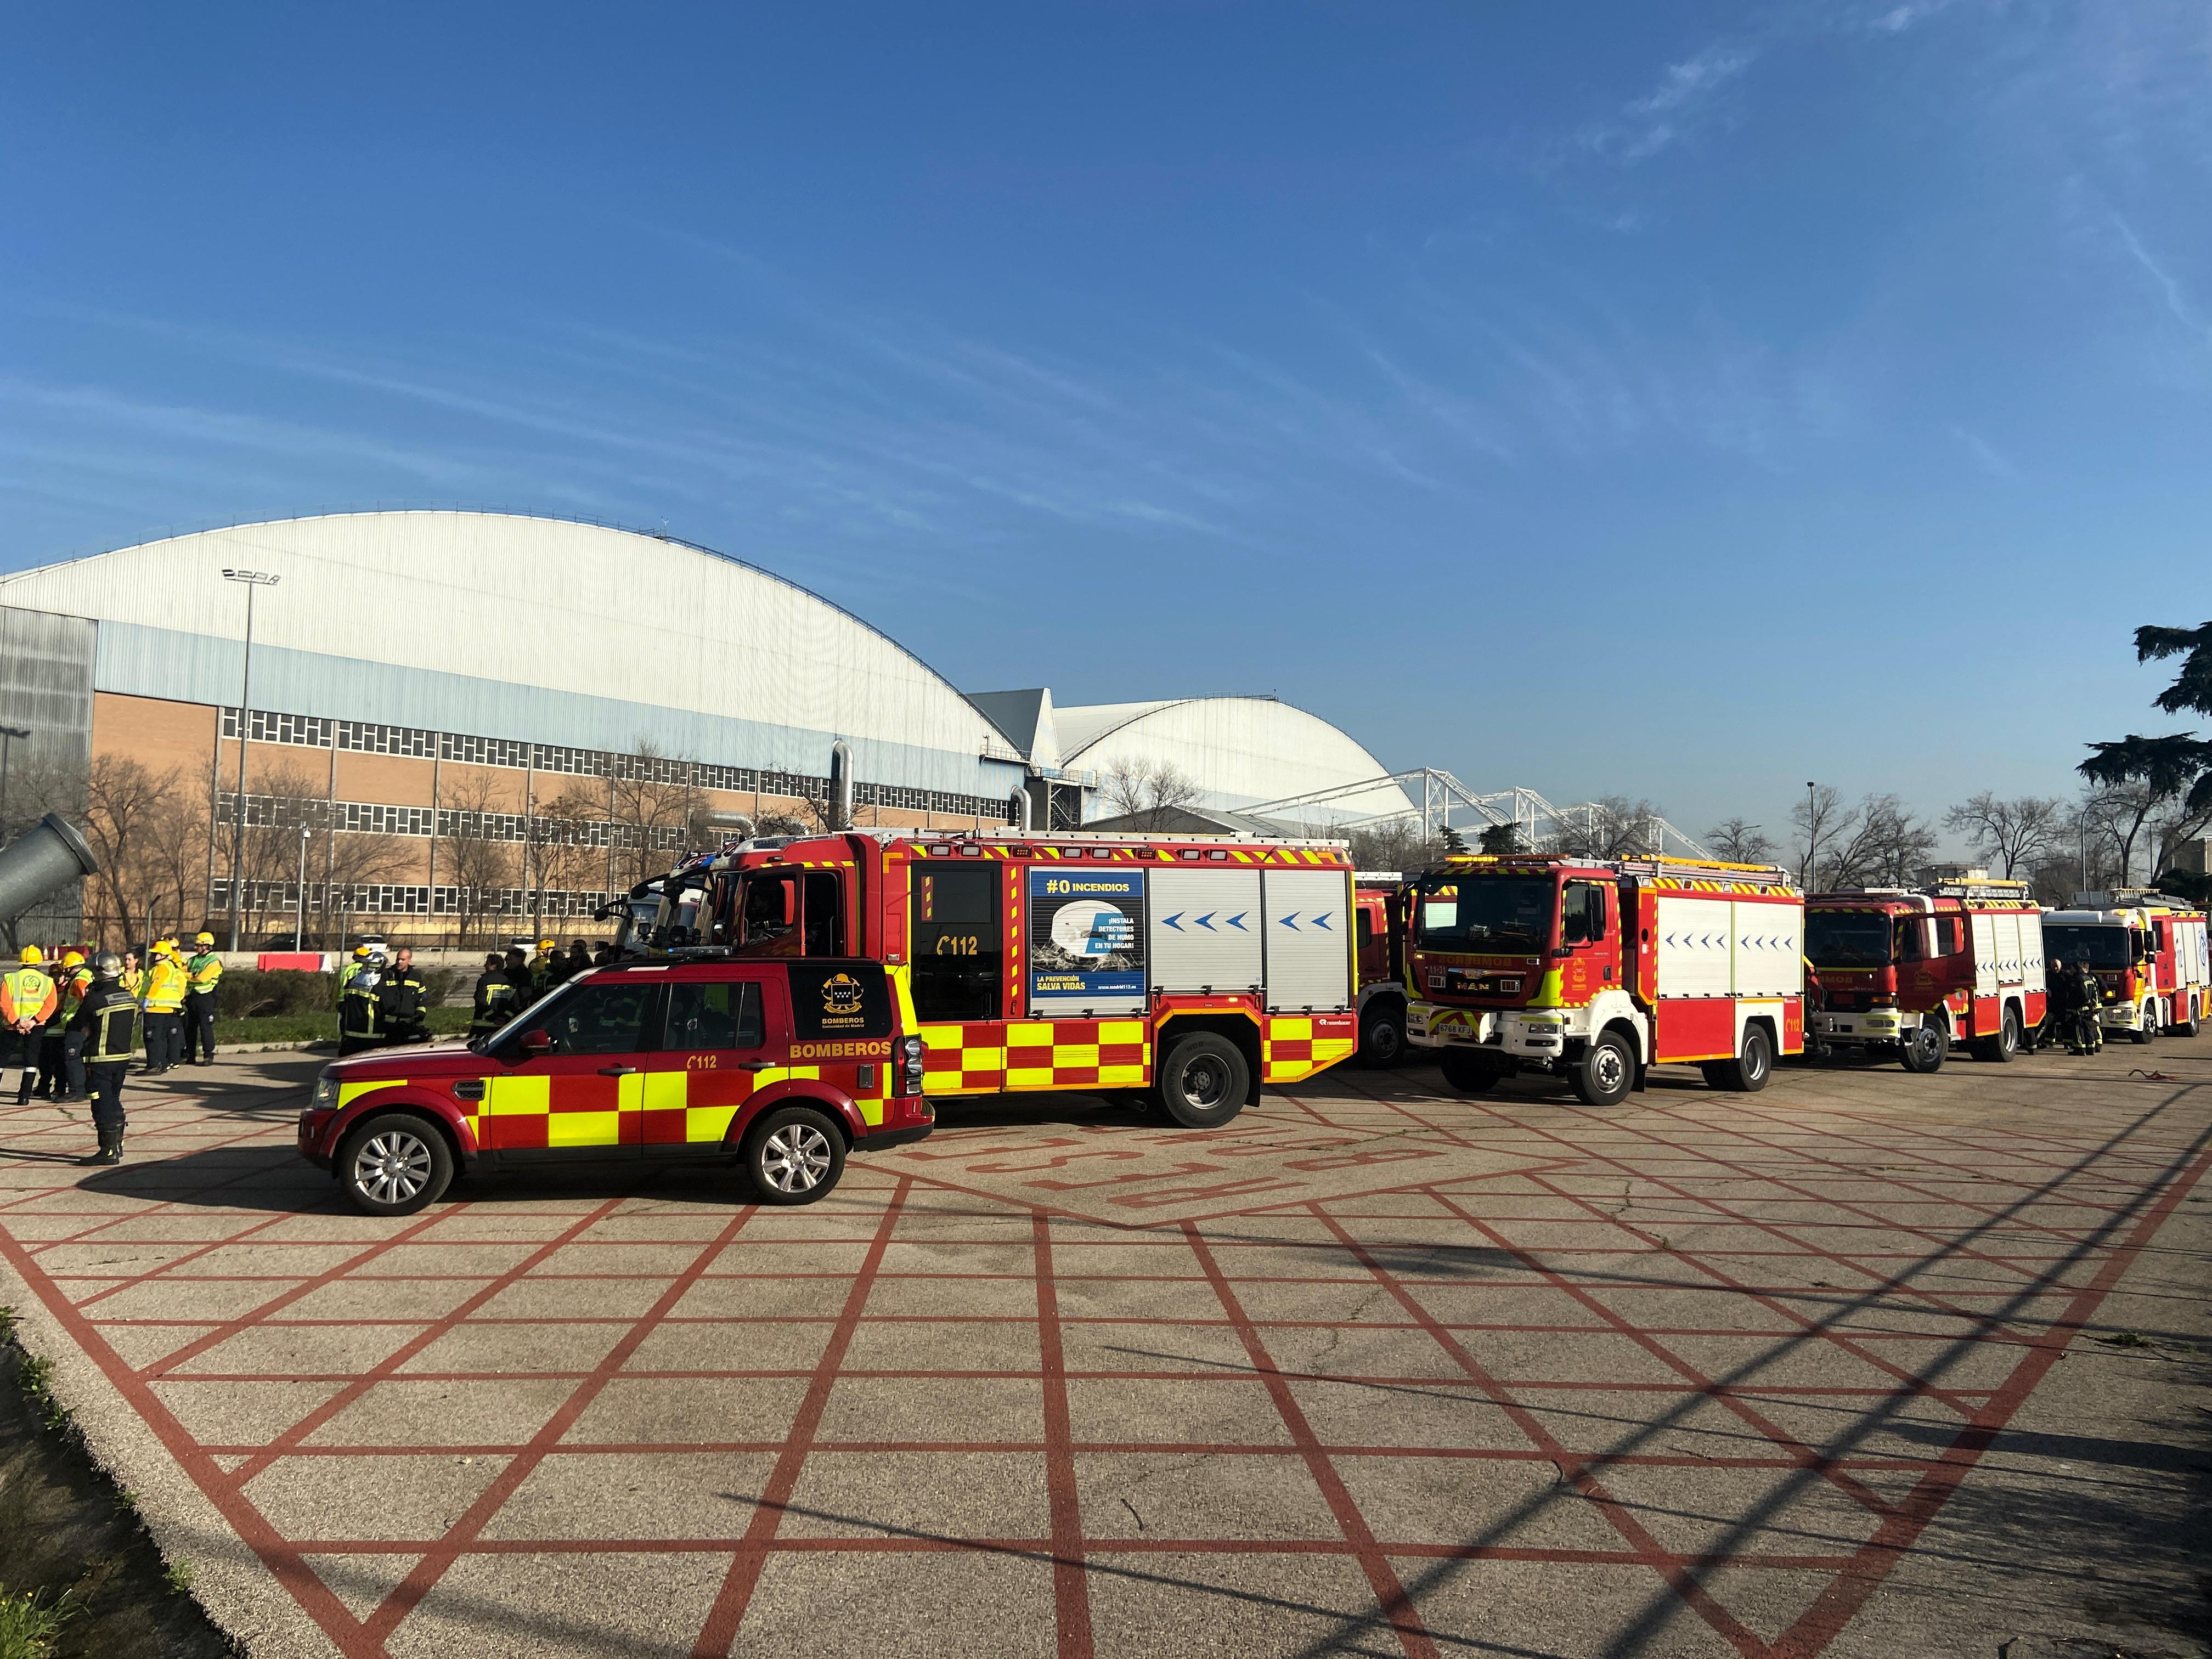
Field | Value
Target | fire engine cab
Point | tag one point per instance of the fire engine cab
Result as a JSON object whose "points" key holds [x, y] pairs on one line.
{"points": [[1380, 926], [1594, 969], [1184, 972], [2149, 952], [1917, 969]]}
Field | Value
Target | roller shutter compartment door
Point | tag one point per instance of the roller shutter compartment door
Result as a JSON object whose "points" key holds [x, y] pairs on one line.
{"points": [[1770, 950], [1206, 929], [1693, 936], [1985, 954], [1309, 955]]}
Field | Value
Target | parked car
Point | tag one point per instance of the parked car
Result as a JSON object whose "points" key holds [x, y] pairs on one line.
{"points": [[781, 1066]]}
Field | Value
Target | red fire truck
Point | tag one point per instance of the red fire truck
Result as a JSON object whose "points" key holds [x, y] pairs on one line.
{"points": [[1185, 971], [1917, 969], [2149, 952], [1379, 921], [1593, 969]]}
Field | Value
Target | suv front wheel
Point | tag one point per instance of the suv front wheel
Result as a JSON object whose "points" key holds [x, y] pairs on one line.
{"points": [[793, 1155], [394, 1165]]}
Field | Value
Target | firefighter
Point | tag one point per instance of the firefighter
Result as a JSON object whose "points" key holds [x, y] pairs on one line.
{"points": [[133, 977], [77, 985], [402, 1002], [166, 981], [103, 1027], [580, 958], [496, 997], [27, 1001], [2063, 990], [520, 976], [2091, 993], [203, 973], [358, 1025], [544, 969], [358, 961]]}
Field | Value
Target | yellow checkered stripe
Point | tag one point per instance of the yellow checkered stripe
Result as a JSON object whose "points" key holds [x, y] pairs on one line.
{"points": [[989, 1057], [1291, 1051], [1025, 853]]}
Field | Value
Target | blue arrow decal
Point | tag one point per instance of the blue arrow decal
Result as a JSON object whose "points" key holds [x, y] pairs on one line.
{"points": [[1174, 921], [1322, 920], [1237, 920], [1205, 922], [1291, 921]]}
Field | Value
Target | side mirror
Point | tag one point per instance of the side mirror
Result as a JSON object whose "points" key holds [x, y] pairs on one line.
{"points": [[534, 1043]]}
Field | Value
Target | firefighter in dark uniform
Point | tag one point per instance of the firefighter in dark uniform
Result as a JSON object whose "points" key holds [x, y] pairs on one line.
{"points": [[402, 1002], [358, 1025], [2063, 990], [495, 997], [77, 985], [2093, 1007], [106, 1025]]}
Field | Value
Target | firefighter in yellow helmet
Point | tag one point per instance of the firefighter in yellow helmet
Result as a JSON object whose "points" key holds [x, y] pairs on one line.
{"points": [[203, 973], [359, 1024], [544, 969], [166, 984], [353, 964], [27, 1001]]}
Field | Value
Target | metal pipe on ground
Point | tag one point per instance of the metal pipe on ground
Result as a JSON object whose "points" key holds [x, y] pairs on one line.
{"points": [[44, 859]]}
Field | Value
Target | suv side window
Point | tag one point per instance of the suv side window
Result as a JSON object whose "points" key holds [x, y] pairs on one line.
{"points": [[602, 1017], [721, 1015]]}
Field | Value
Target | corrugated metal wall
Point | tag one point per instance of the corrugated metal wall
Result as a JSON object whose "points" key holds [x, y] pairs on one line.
{"points": [[46, 690]]}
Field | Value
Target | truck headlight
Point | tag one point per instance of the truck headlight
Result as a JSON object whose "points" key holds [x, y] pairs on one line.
{"points": [[326, 1094]]}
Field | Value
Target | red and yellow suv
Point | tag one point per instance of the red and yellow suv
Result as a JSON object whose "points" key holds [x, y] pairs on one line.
{"points": [[784, 1065]]}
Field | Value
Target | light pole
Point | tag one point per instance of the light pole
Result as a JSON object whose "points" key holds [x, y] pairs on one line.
{"points": [[299, 925], [253, 579], [8, 736]]}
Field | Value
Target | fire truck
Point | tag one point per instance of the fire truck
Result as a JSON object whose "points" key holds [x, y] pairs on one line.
{"points": [[1184, 972], [1917, 970], [2149, 952], [1594, 969], [1379, 921]]}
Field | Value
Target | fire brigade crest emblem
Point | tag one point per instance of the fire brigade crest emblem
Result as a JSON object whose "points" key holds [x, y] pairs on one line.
{"points": [[840, 995]]}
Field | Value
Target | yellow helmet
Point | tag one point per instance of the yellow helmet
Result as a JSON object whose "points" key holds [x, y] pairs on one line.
{"points": [[547, 943], [72, 959], [204, 939], [29, 956], [361, 951]]}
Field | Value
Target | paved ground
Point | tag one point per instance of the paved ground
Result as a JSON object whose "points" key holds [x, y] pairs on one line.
{"points": [[1866, 1364]]}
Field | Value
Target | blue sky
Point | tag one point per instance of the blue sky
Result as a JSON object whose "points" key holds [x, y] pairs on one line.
{"points": [[1683, 401]]}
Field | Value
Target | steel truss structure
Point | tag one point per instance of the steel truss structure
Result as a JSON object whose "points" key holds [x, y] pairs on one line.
{"points": [[1440, 794]]}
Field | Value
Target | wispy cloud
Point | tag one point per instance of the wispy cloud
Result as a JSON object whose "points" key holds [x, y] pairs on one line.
{"points": [[1985, 453], [2184, 309], [1684, 98]]}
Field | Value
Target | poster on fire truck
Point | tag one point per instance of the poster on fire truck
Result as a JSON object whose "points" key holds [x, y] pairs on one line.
{"points": [[1086, 941]]}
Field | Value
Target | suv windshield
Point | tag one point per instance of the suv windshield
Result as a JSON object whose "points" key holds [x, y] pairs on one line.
{"points": [[1847, 939], [1496, 914], [2101, 947]]}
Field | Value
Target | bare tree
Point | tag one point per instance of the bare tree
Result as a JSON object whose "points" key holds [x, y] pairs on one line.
{"points": [[478, 861], [2115, 816], [1394, 844], [124, 804], [1148, 790], [562, 847], [1611, 827], [1821, 821], [1888, 848], [2012, 835], [1738, 840], [651, 800]]}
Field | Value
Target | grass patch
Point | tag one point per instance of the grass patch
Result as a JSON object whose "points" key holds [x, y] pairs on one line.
{"points": [[2126, 1340], [30, 1623]]}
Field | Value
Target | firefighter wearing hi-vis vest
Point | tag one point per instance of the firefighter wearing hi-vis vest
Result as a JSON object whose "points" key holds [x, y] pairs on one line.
{"points": [[359, 1026], [103, 1028], [165, 982], [77, 985], [27, 1002], [203, 973]]}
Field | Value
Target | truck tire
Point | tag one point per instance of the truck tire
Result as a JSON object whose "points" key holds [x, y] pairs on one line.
{"points": [[2147, 1022], [1749, 1071], [1203, 1081], [1606, 1072], [395, 1164], [1926, 1049], [1382, 1034], [793, 1155], [2006, 1043], [2188, 1027], [1466, 1074]]}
